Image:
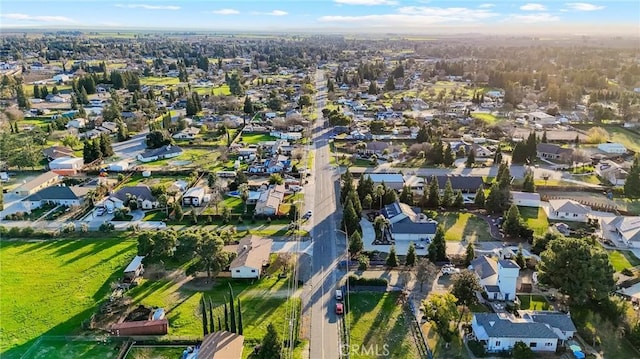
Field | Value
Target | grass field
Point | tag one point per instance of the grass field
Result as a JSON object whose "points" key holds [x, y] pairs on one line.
{"points": [[377, 319], [533, 302], [192, 157], [253, 139], [489, 118], [536, 219], [215, 91], [155, 80], [59, 348], [263, 302], [438, 346], [59, 283], [464, 225], [622, 259], [629, 139], [155, 352]]}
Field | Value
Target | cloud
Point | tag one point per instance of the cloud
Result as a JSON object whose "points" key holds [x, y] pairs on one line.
{"points": [[533, 7], [533, 18], [148, 7], [271, 13], [226, 12], [583, 6], [486, 6], [416, 16], [366, 2], [37, 18]]}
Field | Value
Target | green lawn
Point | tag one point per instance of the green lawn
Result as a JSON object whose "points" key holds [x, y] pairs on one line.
{"points": [[194, 158], [54, 286], [533, 302], [155, 80], [234, 203], [489, 118], [622, 259], [59, 348], [438, 346], [630, 205], [536, 219], [255, 138], [263, 302], [629, 139], [215, 91], [170, 352], [377, 319], [467, 226]]}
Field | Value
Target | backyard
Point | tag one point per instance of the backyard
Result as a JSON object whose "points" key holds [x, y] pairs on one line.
{"points": [[255, 138], [455, 349], [622, 259], [459, 226], [535, 218], [376, 320], [60, 283], [533, 302]]}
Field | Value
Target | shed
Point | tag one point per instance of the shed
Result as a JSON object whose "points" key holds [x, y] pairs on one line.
{"points": [[612, 148], [135, 268], [525, 199], [143, 327]]}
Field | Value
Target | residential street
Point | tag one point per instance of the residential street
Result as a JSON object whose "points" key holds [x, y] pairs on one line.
{"points": [[317, 298]]}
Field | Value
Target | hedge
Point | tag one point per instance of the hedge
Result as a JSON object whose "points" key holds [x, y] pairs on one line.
{"points": [[370, 282]]}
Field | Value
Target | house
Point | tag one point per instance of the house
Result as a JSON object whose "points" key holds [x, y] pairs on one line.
{"points": [[542, 332], [44, 180], [525, 199], [391, 180], [218, 345], [376, 147], [53, 152], [498, 278], [111, 127], [119, 166], [166, 151], [465, 184], [270, 201], [58, 195], [567, 210], [611, 172], [66, 165], [542, 118], [77, 123], [624, 229], [188, 133], [60, 78], [194, 196], [253, 255], [612, 148], [548, 151], [405, 224], [140, 193]]}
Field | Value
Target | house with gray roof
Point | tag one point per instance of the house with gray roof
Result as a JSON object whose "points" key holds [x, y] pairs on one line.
{"points": [[407, 224], [58, 195], [621, 229], [140, 193], [567, 210], [166, 151], [497, 277], [541, 332], [549, 151]]}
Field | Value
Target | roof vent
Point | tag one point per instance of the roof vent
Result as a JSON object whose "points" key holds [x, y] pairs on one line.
{"points": [[491, 323]]}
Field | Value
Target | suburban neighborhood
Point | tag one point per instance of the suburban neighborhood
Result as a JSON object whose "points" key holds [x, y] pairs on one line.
{"points": [[235, 195]]}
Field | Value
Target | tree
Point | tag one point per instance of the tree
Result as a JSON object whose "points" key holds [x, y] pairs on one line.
{"points": [[356, 202], [522, 351], [232, 312], [497, 200], [177, 210], [406, 196], [458, 201], [425, 271], [212, 325], [355, 243], [578, 269], [470, 254], [449, 158], [373, 88], [105, 145], [513, 222], [423, 135], [437, 251], [380, 191], [479, 199], [392, 258], [441, 309], [447, 196], [410, 259], [271, 346], [471, 159], [389, 85], [275, 178], [158, 138], [212, 179], [240, 325], [248, 108], [368, 201], [304, 101], [529, 183], [243, 190], [520, 258], [350, 220], [203, 309], [36, 91], [433, 199], [226, 315], [632, 183], [365, 187], [464, 287]]}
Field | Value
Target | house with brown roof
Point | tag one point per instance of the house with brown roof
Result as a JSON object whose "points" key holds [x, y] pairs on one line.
{"points": [[253, 255], [43, 181], [54, 152], [270, 200]]}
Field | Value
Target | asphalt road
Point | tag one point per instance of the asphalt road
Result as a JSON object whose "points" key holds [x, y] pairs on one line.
{"points": [[328, 245]]}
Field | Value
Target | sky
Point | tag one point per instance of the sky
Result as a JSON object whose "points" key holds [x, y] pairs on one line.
{"points": [[365, 16]]}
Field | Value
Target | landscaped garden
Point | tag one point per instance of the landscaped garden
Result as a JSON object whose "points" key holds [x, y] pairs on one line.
{"points": [[54, 286]]}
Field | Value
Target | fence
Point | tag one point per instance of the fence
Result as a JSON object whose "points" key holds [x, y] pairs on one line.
{"points": [[416, 329]]}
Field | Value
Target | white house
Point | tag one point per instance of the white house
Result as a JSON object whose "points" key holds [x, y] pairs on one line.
{"points": [[194, 196], [407, 225], [525, 199], [66, 165], [77, 123], [188, 133], [270, 201], [498, 278], [59, 195], [542, 118], [44, 180], [253, 255], [61, 78], [501, 331], [567, 210], [391, 180], [612, 172], [624, 229], [612, 148], [164, 152], [140, 193], [119, 166]]}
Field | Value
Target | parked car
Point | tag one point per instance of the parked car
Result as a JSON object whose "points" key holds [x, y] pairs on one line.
{"points": [[339, 309], [338, 294], [100, 211], [449, 269], [308, 214], [420, 246]]}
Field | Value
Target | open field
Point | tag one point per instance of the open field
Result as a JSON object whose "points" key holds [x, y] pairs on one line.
{"points": [[535, 218], [155, 80], [170, 352], [489, 118], [263, 302], [222, 90], [60, 348], [467, 226], [255, 138], [60, 283], [376, 320], [191, 158], [622, 259]]}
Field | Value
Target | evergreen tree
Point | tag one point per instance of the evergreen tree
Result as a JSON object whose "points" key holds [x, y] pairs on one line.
{"points": [[373, 88], [232, 310], [350, 220], [497, 200], [447, 196], [423, 135], [248, 106], [520, 154], [544, 137], [203, 308], [392, 258], [347, 179], [470, 254], [365, 187], [355, 244], [520, 258], [240, 325], [458, 201], [226, 315], [437, 251], [449, 158], [192, 110], [105, 145], [410, 259], [389, 85], [36, 91], [471, 159], [529, 183], [480, 198], [23, 102], [356, 202], [271, 345], [406, 196], [632, 183], [433, 200], [512, 222], [212, 326], [532, 142], [497, 158]]}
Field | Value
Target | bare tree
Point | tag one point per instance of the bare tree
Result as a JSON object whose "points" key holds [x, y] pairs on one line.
{"points": [[425, 271]]}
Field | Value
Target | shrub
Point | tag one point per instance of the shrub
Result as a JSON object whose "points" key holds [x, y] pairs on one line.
{"points": [[13, 232], [27, 232], [477, 348], [371, 282], [627, 272], [363, 262], [107, 227]]}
